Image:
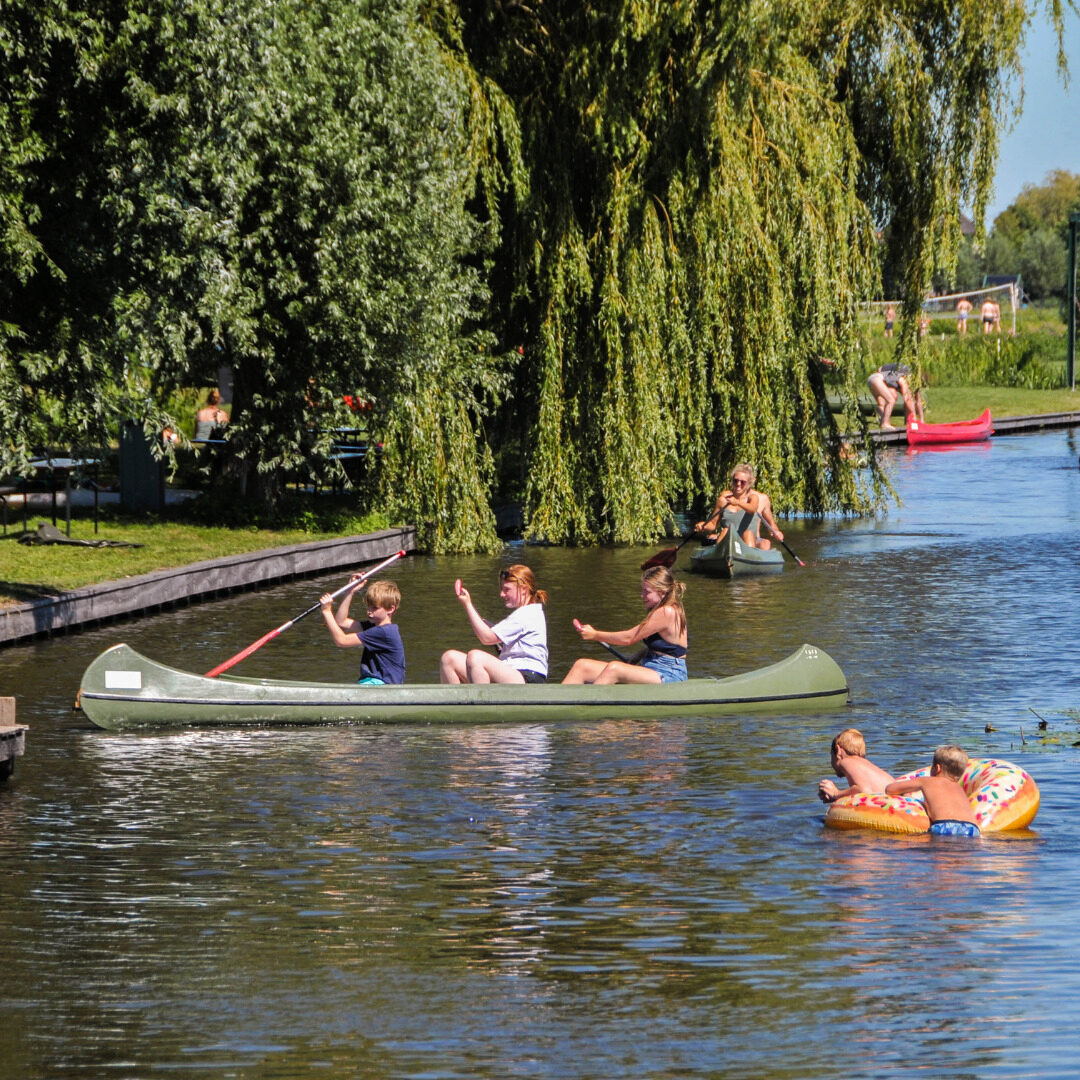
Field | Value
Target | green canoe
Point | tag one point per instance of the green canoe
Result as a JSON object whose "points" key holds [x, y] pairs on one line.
{"points": [[731, 557], [123, 689]]}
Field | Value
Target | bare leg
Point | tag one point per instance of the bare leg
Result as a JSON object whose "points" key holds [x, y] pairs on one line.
{"points": [[910, 400], [452, 667], [584, 671], [886, 410], [618, 672], [482, 667], [885, 398]]}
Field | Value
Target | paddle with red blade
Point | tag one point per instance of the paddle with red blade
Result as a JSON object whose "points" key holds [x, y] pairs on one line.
{"points": [[214, 672], [667, 557], [610, 648]]}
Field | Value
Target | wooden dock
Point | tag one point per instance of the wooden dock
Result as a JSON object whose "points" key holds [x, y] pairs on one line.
{"points": [[12, 737], [196, 581]]}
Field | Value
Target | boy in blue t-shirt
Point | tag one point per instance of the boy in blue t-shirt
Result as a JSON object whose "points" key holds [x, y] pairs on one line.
{"points": [[384, 655]]}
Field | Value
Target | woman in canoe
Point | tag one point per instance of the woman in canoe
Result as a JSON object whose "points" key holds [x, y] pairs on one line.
{"points": [[662, 633], [743, 508], [521, 637]]}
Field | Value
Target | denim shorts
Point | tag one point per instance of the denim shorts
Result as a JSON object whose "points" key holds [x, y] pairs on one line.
{"points": [[669, 668]]}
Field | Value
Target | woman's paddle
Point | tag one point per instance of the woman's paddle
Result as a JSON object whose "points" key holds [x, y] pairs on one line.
{"points": [[667, 557], [783, 542], [285, 626], [610, 648]]}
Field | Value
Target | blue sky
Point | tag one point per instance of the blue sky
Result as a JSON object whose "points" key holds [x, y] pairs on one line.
{"points": [[1047, 134]]}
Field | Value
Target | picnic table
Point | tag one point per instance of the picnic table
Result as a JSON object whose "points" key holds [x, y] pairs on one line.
{"points": [[54, 468]]}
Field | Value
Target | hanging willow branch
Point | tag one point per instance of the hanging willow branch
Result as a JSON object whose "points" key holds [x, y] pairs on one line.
{"points": [[706, 186]]}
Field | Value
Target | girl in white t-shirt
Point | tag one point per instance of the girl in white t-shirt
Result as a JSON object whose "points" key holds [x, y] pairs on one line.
{"points": [[521, 637]]}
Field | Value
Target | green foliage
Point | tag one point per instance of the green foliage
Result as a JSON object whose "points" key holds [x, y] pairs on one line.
{"points": [[671, 204], [1029, 237], [1041, 206], [278, 186], [697, 229], [1033, 363]]}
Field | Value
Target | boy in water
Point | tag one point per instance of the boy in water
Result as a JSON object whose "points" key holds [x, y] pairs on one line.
{"points": [[849, 760], [384, 655], [947, 804]]}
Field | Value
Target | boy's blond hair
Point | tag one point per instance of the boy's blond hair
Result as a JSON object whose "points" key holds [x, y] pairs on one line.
{"points": [[382, 593], [851, 741], [952, 759]]}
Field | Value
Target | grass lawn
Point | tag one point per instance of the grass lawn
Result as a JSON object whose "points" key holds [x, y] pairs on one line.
{"points": [[28, 571], [947, 403]]}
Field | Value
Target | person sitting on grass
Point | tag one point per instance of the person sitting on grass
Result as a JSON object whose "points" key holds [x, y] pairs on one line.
{"points": [[662, 632], [210, 419], [947, 804], [849, 760], [383, 662]]}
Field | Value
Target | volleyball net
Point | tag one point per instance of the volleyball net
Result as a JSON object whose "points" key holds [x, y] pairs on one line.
{"points": [[946, 304]]}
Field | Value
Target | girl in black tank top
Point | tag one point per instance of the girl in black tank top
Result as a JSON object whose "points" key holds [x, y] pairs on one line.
{"points": [[662, 633]]}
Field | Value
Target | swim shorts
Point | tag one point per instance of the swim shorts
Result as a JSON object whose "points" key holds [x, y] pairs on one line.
{"points": [[371, 680], [954, 828]]}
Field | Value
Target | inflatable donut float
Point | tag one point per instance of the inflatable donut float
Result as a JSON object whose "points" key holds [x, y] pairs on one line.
{"points": [[1003, 796]]}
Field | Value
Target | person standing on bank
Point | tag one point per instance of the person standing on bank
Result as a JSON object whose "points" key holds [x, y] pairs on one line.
{"points": [[963, 310], [888, 384], [521, 637]]}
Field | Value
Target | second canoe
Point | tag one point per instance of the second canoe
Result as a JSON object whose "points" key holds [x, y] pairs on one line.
{"points": [[732, 557], [919, 433]]}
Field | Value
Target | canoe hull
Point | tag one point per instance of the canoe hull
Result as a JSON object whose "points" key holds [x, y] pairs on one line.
{"points": [[978, 430], [122, 689], [731, 558]]}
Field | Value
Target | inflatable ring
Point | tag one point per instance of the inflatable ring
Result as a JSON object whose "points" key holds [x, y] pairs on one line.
{"points": [[1002, 795]]}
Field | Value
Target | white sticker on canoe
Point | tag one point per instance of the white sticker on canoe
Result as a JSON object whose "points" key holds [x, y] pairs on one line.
{"points": [[123, 680], [738, 548]]}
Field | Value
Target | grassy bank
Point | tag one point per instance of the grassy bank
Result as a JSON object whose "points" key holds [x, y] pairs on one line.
{"points": [[947, 403], [28, 571]]}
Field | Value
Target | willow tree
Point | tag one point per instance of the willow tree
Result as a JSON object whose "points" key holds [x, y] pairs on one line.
{"points": [[704, 185]]}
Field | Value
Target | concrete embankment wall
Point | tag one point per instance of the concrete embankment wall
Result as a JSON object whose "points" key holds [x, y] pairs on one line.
{"points": [[213, 577]]}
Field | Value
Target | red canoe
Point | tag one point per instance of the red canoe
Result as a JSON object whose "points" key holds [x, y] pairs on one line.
{"points": [[920, 433]]}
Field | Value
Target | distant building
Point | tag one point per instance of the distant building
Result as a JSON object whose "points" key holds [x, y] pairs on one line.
{"points": [[967, 226]]}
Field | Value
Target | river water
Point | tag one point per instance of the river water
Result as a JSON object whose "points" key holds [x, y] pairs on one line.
{"points": [[601, 900]]}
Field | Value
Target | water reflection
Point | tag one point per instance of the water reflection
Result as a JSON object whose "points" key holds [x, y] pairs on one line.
{"points": [[602, 900]]}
